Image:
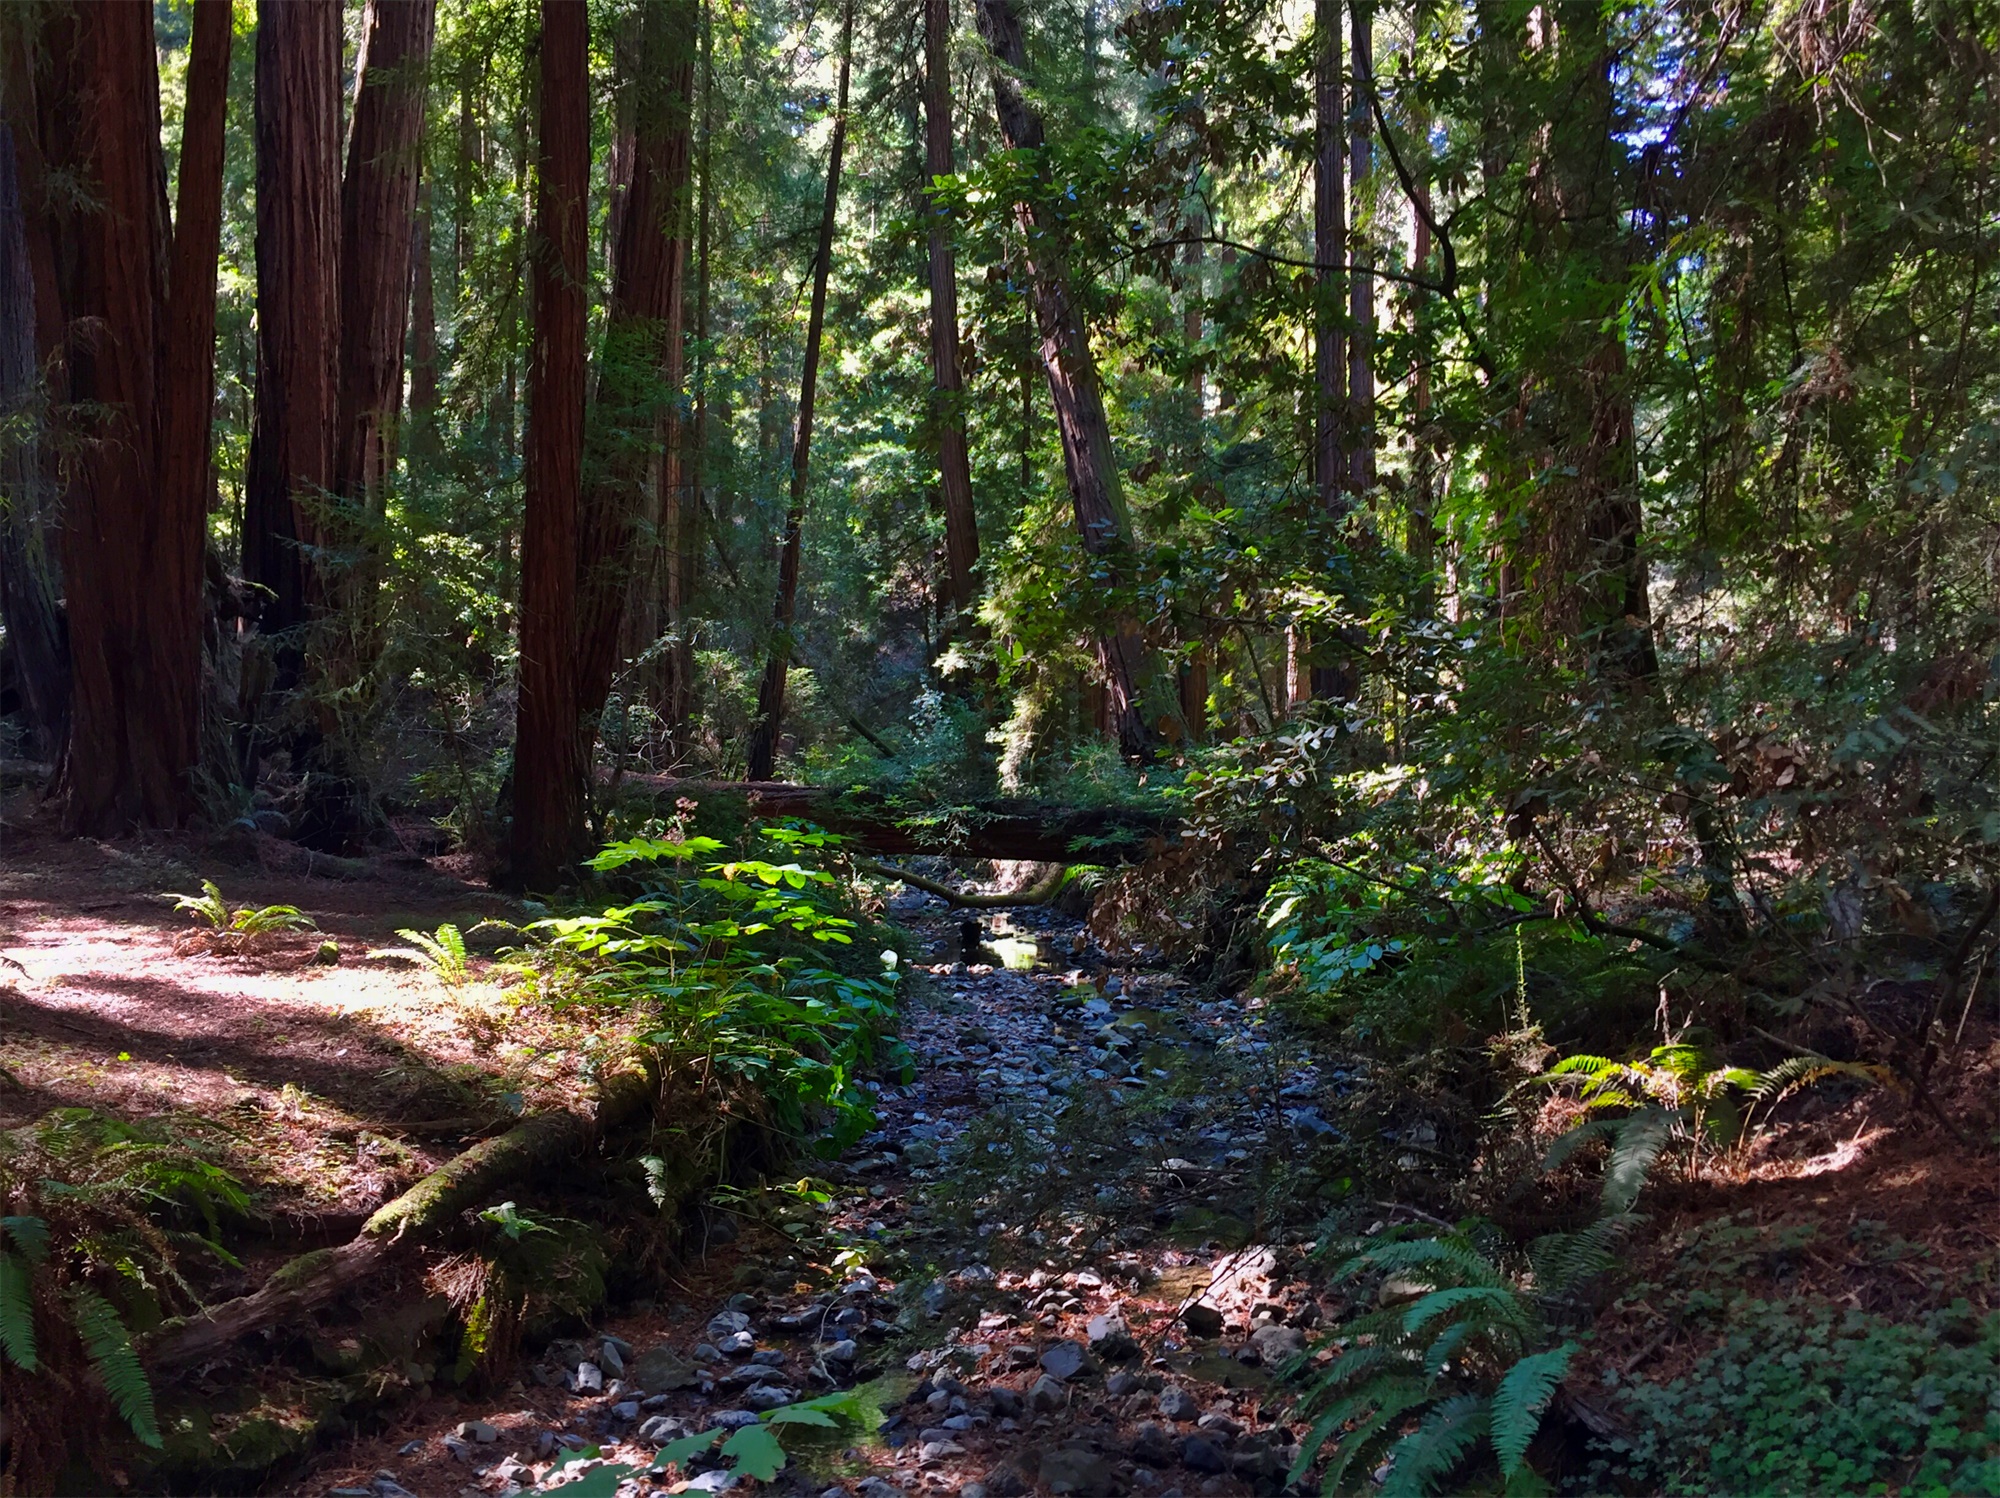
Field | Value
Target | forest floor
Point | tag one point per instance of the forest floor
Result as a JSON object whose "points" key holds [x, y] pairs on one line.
{"points": [[1098, 1210]]}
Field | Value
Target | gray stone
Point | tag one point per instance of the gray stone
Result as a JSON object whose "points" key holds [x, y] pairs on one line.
{"points": [[769, 1396], [386, 1486], [1066, 1360], [920, 1153], [770, 1357], [876, 1487], [1121, 1383], [478, 1430], [720, 1480], [1075, 1469], [611, 1359], [1110, 1340], [732, 1419], [661, 1429], [662, 1369], [1275, 1344], [1005, 1401], [1153, 1444], [1006, 1481], [938, 1451], [846, 1350], [625, 1409], [457, 1447], [1200, 1454], [589, 1379], [1202, 1320], [727, 1323], [1177, 1404], [737, 1344], [1047, 1394], [704, 1352]]}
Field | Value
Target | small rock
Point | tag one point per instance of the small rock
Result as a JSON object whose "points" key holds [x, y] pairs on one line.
{"points": [[1075, 1469], [769, 1396], [876, 1487], [386, 1486], [1121, 1383], [732, 1419], [1048, 1394], [1109, 1339], [1006, 1401], [744, 1304], [920, 1153], [1153, 1444], [662, 1369], [937, 1451], [737, 1344], [661, 1429], [478, 1430], [1202, 1320], [720, 1480], [1005, 1481], [705, 1352], [457, 1447], [625, 1409], [589, 1379], [1275, 1344], [727, 1324], [1066, 1360], [611, 1359], [1177, 1404], [770, 1357], [846, 1350], [1199, 1454]]}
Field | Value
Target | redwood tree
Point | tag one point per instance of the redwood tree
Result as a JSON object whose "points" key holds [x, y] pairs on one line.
{"points": [[771, 690], [549, 751], [961, 524], [130, 561], [378, 216], [291, 465], [1095, 487]]}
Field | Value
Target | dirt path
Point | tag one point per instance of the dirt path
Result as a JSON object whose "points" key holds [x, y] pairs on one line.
{"points": [[1071, 1169]]}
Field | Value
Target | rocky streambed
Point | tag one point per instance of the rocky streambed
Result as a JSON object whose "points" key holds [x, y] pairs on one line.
{"points": [[1070, 1259]]}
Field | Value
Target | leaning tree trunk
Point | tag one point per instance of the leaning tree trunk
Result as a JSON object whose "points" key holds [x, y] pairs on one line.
{"points": [[30, 577], [1071, 370], [132, 577], [549, 760], [378, 219], [961, 524], [298, 220], [771, 690], [632, 506]]}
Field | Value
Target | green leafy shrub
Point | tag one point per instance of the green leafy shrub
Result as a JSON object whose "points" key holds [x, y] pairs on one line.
{"points": [[746, 965], [1806, 1399]]}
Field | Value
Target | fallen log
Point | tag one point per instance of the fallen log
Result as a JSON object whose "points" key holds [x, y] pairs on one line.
{"points": [[1016, 829], [1039, 893], [421, 1213]]}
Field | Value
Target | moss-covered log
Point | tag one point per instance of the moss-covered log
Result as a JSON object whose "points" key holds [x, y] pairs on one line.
{"points": [[1031, 831], [421, 1213]]}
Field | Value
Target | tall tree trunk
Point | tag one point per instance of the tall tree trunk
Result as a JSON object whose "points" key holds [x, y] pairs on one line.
{"points": [[1330, 252], [30, 575], [633, 502], [378, 218], [1423, 457], [688, 553], [291, 465], [132, 573], [961, 524], [549, 751], [1071, 370], [763, 753], [1361, 284], [424, 443]]}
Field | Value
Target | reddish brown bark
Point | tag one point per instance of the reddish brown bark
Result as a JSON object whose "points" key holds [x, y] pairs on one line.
{"points": [[1361, 285], [549, 766], [784, 612], [1330, 251], [291, 465], [961, 524], [633, 507], [423, 332], [1071, 371], [378, 213], [188, 398], [133, 591]]}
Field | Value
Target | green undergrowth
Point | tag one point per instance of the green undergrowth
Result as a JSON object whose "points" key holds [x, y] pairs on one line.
{"points": [[761, 971], [1799, 1398]]}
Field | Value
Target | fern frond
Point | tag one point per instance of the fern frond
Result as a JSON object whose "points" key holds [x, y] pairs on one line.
{"points": [[1495, 1298], [1391, 1401], [17, 1313], [1640, 1140], [1571, 1065], [1440, 1351], [1521, 1398], [30, 1237], [1356, 1362], [1420, 1462], [1571, 1140], [1564, 1260], [1449, 1254], [110, 1347]]}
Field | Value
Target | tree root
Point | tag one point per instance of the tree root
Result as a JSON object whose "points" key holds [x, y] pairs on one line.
{"points": [[420, 1213]]}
